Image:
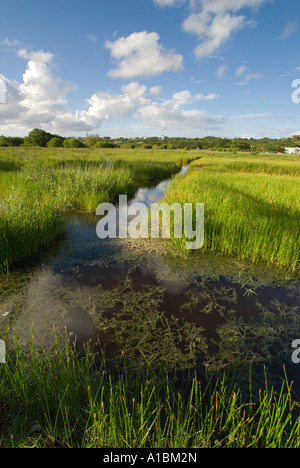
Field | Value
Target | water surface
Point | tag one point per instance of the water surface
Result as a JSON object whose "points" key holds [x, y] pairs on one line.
{"points": [[208, 313]]}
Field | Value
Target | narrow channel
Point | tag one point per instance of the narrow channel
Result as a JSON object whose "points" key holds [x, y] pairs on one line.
{"points": [[138, 299]]}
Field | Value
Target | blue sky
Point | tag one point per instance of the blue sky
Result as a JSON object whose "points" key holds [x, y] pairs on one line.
{"points": [[150, 67]]}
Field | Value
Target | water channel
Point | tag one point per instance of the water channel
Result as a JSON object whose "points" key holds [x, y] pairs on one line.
{"points": [[137, 298]]}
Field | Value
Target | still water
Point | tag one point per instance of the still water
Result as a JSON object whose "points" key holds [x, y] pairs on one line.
{"points": [[204, 313]]}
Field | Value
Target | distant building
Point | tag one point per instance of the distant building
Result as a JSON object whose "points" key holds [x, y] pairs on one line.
{"points": [[292, 150]]}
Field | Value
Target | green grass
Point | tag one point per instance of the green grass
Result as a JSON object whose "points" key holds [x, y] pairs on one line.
{"points": [[37, 186], [252, 205], [252, 202], [55, 398]]}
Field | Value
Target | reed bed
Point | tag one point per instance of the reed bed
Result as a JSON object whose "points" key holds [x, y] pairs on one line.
{"points": [[37, 188], [60, 398], [252, 206]]}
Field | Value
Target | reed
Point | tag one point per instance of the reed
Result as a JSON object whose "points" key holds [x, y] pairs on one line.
{"points": [[60, 398], [33, 203], [252, 207], [37, 188]]}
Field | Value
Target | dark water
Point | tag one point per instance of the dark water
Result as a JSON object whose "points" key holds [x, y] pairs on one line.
{"points": [[205, 312]]}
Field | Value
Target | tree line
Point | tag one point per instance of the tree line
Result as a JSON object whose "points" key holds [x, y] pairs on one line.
{"points": [[43, 139]]}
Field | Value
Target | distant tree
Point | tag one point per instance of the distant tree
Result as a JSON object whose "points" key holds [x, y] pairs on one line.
{"points": [[3, 141], [37, 137], [241, 144], [15, 141], [105, 144], [73, 143], [56, 142], [254, 150], [296, 140], [276, 148], [92, 140]]}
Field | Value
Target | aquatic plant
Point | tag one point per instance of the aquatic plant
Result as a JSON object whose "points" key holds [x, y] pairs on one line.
{"points": [[58, 398], [251, 207]]}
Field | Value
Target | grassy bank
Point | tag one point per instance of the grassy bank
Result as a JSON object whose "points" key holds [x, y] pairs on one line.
{"points": [[58, 399], [252, 205], [37, 186]]}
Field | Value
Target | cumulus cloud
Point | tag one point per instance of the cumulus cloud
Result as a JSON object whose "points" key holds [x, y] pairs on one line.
{"points": [[214, 21], [213, 31], [39, 56], [155, 90], [11, 110], [107, 107], [141, 55], [41, 100], [169, 114]]}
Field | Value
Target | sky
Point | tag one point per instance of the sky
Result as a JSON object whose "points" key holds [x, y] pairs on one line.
{"points": [[134, 68]]}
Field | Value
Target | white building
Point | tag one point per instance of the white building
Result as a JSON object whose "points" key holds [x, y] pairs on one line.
{"points": [[292, 150]]}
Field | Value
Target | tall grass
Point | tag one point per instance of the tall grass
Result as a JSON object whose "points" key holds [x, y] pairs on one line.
{"points": [[38, 186], [252, 206], [33, 201], [56, 398]]}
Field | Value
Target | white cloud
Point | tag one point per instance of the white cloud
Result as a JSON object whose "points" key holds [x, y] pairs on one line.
{"points": [[208, 97], [254, 76], [241, 70], [41, 100], [213, 31], [249, 116], [289, 30], [221, 71], [107, 107], [39, 56], [169, 3], [2, 90], [186, 97], [214, 21], [170, 115], [92, 37], [140, 54], [13, 43], [11, 112], [218, 6], [155, 90], [43, 95]]}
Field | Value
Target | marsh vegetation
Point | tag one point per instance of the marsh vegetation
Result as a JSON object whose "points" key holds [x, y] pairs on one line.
{"points": [[134, 343]]}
